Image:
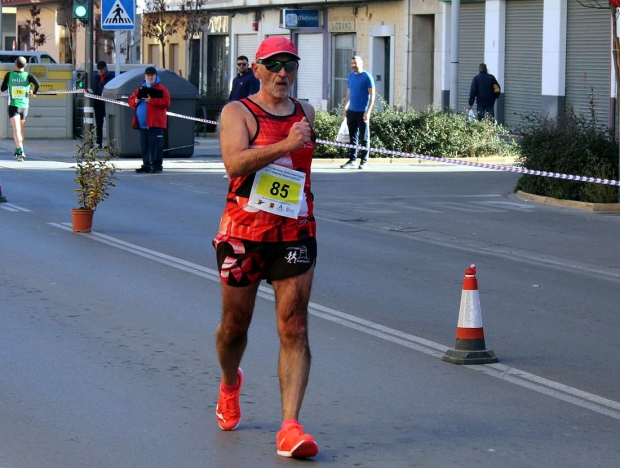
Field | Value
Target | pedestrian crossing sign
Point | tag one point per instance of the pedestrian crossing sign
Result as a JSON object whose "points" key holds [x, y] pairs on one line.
{"points": [[117, 15]]}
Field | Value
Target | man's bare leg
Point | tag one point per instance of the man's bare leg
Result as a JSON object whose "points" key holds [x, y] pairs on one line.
{"points": [[22, 127], [231, 339], [231, 336], [16, 126], [292, 297]]}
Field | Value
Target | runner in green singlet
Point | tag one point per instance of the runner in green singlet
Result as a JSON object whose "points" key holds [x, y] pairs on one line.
{"points": [[18, 84]]}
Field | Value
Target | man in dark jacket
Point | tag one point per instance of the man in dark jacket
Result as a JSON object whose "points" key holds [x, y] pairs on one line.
{"points": [[102, 78], [245, 82], [150, 102], [484, 90]]}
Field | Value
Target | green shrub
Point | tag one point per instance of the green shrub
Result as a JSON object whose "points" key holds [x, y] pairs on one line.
{"points": [[326, 126], [432, 132], [570, 144]]}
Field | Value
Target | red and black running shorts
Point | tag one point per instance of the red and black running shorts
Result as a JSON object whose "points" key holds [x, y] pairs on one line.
{"points": [[242, 262]]}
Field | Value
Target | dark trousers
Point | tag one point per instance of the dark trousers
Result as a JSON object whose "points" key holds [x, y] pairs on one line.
{"points": [[359, 134], [152, 147], [486, 111], [99, 118]]}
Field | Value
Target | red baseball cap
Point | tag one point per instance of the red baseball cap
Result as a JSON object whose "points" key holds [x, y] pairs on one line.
{"points": [[276, 45]]}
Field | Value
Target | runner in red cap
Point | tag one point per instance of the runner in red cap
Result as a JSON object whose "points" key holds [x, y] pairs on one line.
{"points": [[268, 232]]}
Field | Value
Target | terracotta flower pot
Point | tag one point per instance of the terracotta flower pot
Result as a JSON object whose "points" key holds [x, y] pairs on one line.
{"points": [[82, 219]]}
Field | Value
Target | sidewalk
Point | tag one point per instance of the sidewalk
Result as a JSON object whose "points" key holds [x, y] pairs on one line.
{"points": [[207, 154], [63, 150]]}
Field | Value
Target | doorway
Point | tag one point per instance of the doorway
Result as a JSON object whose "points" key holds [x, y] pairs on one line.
{"points": [[343, 50], [217, 67], [381, 63]]}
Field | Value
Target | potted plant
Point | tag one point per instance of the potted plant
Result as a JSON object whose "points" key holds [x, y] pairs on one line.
{"points": [[94, 175]]}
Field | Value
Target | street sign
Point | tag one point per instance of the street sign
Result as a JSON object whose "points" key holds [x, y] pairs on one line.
{"points": [[294, 19], [118, 15]]}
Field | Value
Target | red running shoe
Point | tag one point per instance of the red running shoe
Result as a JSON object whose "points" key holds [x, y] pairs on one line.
{"points": [[228, 411], [293, 443]]}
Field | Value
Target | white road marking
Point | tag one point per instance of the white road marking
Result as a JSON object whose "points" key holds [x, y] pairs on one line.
{"points": [[469, 208], [509, 205], [512, 375], [12, 207]]}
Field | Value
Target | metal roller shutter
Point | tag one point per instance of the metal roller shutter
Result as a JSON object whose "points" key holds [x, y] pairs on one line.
{"points": [[588, 60], [247, 45], [471, 49], [310, 78], [523, 69]]}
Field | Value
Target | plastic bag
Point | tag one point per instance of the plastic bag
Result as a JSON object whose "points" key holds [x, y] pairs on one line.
{"points": [[471, 116], [343, 133]]}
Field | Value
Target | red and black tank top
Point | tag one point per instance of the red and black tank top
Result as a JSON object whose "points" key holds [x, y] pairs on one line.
{"points": [[245, 222]]}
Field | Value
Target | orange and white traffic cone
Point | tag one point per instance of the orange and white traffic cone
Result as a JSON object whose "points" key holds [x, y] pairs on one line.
{"points": [[2, 197], [470, 347]]}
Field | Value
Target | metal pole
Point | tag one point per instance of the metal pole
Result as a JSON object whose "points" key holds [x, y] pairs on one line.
{"points": [[1, 38], [454, 54], [117, 53], [88, 105]]}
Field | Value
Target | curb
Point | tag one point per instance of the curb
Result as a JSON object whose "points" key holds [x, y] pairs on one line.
{"points": [[585, 206]]}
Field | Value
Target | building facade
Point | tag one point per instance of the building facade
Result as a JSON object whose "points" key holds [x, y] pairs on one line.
{"points": [[548, 55]]}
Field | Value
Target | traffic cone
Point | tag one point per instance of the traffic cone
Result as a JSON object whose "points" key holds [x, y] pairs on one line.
{"points": [[470, 347], [2, 197]]}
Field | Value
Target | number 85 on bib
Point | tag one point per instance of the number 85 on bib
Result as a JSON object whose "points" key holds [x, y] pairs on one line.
{"points": [[278, 190]]}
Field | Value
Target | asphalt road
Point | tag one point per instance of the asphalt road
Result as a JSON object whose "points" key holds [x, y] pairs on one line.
{"points": [[106, 339]]}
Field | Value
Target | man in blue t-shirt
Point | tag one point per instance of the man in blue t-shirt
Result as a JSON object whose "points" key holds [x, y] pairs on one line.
{"points": [[357, 107]]}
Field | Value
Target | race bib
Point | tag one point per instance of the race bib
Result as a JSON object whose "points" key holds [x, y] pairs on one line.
{"points": [[19, 92], [278, 190]]}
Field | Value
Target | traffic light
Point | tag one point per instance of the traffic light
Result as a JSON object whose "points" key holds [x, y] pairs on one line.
{"points": [[81, 80], [80, 9]]}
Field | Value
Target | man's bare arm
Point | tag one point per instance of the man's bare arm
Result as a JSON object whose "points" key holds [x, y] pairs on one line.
{"points": [[236, 127]]}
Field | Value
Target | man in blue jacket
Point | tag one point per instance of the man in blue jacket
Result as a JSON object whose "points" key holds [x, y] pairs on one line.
{"points": [[245, 83], [484, 90], [102, 78]]}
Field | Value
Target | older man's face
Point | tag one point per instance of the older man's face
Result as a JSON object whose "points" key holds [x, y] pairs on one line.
{"points": [[277, 83]]}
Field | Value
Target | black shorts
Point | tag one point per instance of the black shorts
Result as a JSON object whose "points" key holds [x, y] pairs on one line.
{"points": [[242, 262], [21, 111]]}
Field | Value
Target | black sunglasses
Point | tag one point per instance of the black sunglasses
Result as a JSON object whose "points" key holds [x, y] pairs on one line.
{"points": [[242, 64], [275, 66]]}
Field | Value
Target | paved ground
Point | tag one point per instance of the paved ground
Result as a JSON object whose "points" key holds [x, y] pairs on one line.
{"points": [[207, 155], [59, 154]]}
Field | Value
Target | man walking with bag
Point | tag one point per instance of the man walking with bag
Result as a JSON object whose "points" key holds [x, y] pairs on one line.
{"points": [[484, 90]]}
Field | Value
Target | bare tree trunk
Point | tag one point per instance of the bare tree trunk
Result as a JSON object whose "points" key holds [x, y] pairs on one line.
{"points": [[163, 53]]}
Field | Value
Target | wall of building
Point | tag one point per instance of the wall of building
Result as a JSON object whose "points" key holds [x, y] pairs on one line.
{"points": [[48, 27]]}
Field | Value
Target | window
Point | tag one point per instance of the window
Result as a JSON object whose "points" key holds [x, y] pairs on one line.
{"points": [[344, 49], [174, 58], [154, 55]]}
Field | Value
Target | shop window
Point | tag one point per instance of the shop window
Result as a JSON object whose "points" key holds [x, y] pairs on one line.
{"points": [[343, 50]]}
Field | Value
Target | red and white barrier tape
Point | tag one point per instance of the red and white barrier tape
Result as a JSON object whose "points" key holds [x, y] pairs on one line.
{"points": [[496, 167], [400, 154]]}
